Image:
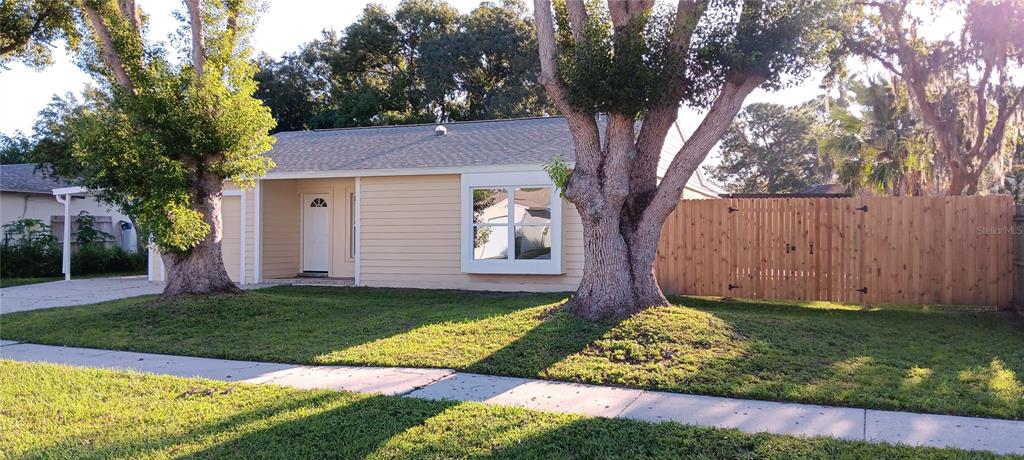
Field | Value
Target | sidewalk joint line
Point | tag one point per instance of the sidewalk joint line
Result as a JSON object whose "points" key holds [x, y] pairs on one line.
{"points": [[630, 404], [451, 373]]}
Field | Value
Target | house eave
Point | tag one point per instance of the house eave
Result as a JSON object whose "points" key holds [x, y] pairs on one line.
{"points": [[424, 171]]}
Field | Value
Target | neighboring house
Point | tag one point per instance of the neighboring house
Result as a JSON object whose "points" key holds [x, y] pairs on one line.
{"points": [[465, 206], [27, 194]]}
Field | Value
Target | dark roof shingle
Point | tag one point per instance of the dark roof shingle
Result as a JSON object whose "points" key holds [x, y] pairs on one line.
{"points": [[475, 143], [24, 178]]}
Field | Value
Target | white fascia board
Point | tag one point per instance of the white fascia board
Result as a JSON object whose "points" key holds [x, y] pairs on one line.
{"points": [[70, 190], [529, 167]]}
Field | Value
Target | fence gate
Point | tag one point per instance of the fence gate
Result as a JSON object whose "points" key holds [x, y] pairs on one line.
{"points": [[952, 250]]}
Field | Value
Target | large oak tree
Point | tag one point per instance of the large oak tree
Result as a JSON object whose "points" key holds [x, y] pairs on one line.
{"points": [[158, 136], [965, 89], [638, 63]]}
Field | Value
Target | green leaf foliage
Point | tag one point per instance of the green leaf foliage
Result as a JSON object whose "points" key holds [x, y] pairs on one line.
{"points": [[151, 149], [631, 70], [31, 27], [424, 63], [769, 148]]}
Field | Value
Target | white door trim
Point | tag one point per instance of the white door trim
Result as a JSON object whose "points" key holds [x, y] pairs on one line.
{"points": [[357, 224]]}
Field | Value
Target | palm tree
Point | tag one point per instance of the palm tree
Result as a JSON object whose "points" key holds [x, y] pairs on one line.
{"points": [[875, 144]]}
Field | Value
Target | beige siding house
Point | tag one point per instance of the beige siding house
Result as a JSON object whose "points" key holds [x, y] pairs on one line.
{"points": [[464, 206]]}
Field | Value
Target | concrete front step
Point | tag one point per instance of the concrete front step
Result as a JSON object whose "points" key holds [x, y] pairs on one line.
{"points": [[310, 281]]}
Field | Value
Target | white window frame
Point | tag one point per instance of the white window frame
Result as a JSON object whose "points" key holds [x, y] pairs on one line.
{"points": [[508, 266]]}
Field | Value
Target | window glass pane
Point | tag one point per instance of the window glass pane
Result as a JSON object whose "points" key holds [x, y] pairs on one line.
{"points": [[490, 242], [533, 205], [533, 242], [490, 206]]}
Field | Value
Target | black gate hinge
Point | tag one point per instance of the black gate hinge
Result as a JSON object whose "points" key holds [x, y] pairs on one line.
{"points": [[862, 208], [863, 290], [732, 209], [733, 286]]}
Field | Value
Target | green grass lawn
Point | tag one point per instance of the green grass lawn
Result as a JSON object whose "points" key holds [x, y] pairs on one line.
{"points": [[53, 411], [967, 363]]}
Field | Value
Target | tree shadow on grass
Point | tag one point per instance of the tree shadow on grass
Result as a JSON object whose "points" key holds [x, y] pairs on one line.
{"points": [[354, 430], [309, 424], [558, 336]]}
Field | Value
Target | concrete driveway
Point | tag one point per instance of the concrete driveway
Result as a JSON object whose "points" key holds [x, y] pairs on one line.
{"points": [[74, 292]]}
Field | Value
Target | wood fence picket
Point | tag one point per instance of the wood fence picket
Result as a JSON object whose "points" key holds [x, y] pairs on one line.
{"points": [[871, 250]]}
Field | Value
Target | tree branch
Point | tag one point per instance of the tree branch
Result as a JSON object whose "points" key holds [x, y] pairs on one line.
{"points": [[720, 115], [547, 48], [624, 11], [981, 111], [586, 137], [131, 14], [578, 18], [195, 18], [110, 55], [660, 119]]}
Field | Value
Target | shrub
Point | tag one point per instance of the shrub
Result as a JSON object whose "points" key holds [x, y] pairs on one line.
{"points": [[95, 258], [29, 250]]}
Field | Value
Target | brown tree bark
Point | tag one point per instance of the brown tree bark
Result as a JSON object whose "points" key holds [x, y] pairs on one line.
{"points": [[201, 269], [614, 184]]}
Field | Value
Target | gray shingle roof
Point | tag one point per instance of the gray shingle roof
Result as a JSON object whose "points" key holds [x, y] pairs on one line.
{"points": [[475, 143], [24, 178]]}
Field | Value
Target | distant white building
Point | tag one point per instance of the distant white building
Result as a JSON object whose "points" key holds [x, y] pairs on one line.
{"points": [[26, 193]]}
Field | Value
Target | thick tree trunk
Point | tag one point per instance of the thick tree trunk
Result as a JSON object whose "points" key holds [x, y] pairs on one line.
{"points": [[962, 181], [201, 269], [618, 274]]}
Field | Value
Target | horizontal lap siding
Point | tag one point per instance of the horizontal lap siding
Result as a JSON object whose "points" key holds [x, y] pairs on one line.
{"points": [[411, 236], [280, 231], [231, 235]]}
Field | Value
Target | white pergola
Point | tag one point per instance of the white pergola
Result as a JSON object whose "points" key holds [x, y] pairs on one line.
{"points": [[63, 196]]}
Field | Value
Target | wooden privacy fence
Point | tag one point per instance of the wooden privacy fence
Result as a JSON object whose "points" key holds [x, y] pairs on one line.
{"points": [[915, 250]]}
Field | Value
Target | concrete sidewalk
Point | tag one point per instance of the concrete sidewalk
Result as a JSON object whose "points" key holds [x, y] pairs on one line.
{"points": [[999, 436]]}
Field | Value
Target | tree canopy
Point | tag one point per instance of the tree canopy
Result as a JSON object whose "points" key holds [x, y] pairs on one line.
{"points": [[16, 149], [965, 88], [769, 148], [30, 28], [423, 63], [872, 141]]}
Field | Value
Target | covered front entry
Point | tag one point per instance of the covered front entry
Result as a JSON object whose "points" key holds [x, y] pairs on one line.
{"points": [[316, 233], [306, 228]]}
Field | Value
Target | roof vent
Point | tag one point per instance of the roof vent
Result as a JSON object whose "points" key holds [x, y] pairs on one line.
{"points": [[440, 130]]}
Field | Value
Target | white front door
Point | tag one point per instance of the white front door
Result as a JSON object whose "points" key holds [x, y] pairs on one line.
{"points": [[316, 232]]}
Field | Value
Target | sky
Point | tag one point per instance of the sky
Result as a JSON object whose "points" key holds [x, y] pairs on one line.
{"points": [[284, 26]]}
